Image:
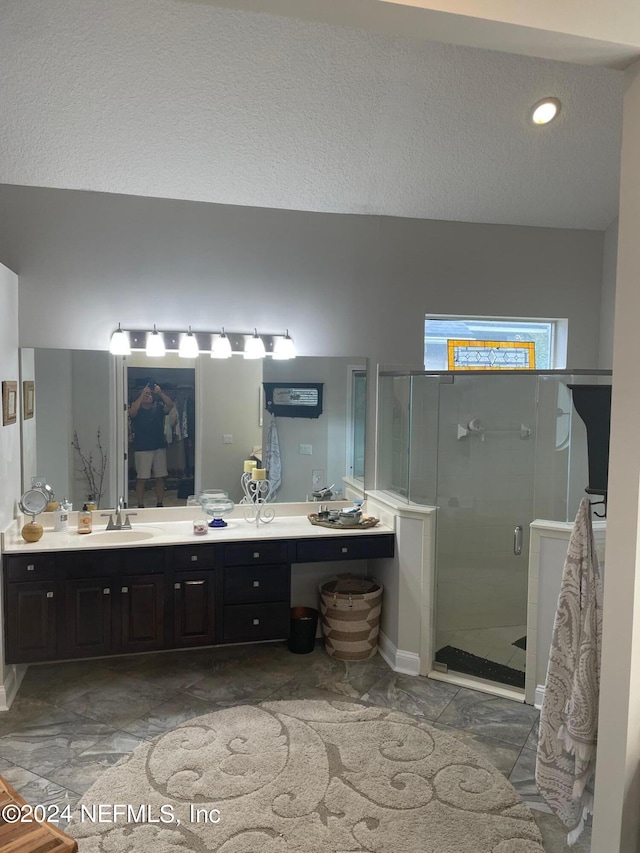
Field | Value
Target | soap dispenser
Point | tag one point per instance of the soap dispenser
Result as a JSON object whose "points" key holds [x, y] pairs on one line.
{"points": [[85, 520]]}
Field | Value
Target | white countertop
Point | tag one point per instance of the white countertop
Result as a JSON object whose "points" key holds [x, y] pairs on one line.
{"points": [[175, 527]]}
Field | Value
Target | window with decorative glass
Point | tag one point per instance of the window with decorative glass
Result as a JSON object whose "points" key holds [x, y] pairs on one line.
{"points": [[485, 343]]}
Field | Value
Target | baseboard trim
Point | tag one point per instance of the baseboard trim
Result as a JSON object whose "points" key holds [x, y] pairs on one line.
{"points": [[407, 663], [8, 689], [539, 696]]}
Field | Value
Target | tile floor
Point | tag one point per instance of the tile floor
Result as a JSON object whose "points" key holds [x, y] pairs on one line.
{"points": [[72, 721]]}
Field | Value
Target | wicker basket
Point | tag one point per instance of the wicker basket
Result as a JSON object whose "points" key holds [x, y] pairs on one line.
{"points": [[350, 608]]}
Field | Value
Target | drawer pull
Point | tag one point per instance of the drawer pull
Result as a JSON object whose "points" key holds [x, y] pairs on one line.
{"points": [[255, 621], [49, 595], [125, 589], [194, 558], [176, 586], [256, 583], [256, 554], [30, 567], [194, 583], [106, 591], [345, 550]]}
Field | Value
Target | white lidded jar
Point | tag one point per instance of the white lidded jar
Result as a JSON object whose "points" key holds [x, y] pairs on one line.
{"points": [[61, 517]]}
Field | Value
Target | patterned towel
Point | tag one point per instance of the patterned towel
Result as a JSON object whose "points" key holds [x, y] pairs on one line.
{"points": [[272, 459], [567, 741]]}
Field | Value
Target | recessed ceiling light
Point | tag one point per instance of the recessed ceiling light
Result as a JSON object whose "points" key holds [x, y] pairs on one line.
{"points": [[545, 110]]}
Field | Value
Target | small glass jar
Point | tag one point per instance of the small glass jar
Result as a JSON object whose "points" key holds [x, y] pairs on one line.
{"points": [[200, 526]]}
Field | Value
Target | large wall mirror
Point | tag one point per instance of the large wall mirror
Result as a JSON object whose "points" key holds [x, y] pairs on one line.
{"points": [[80, 437]]}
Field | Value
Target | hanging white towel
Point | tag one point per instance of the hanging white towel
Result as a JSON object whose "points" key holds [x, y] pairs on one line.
{"points": [[170, 420], [566, 756], [272, 460]]}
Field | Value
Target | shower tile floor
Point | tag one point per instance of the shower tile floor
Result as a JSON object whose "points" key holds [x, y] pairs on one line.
{"points": [[72, 721], [495, 644]]}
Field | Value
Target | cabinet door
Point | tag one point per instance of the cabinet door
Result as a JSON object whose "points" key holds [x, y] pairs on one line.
{"points": [[88, 613], [194, 608], [141, 613], [31, 622]]}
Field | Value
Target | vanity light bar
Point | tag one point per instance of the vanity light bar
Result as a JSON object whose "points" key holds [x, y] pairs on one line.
{"points": [[123, 341]]}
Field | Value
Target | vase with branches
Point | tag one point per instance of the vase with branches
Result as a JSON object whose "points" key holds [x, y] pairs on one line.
{"points": [[93, 466]]}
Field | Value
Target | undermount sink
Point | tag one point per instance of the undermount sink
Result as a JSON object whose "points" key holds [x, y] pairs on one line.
{"points": [[113, 536]]}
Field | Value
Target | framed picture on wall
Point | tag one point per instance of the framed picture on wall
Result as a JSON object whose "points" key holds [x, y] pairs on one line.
{"points": [[9, 402], [28, 398], [293, 400]]}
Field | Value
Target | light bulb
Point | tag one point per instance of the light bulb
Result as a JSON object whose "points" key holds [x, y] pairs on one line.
{"points": [[221, 346], [155, 344], [119, 343], [188, 346], [254, 347], [284, 348], [545, 110]]}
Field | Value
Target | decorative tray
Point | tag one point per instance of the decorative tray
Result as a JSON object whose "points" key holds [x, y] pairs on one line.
{"points": [[365, 521]]}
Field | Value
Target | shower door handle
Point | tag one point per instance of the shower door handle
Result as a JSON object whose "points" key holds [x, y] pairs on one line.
{"points": [[517, 540]]}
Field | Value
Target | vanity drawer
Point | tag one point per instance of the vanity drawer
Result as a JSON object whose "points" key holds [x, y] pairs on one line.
{"points": [[256, 553], [194, 557], [256, 583], [246, 622], [145, 561], [89, 563], [33, 567], [345, 548]]}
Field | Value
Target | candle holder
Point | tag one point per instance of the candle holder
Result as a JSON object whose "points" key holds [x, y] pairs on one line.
{"points": [[257, 494]]}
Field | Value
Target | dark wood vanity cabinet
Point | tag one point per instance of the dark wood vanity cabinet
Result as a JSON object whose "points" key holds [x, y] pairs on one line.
{"points": [[31, 597], [31, 615], [88, 612], [141, 612], [196, 598], [91, 603], [257, 583]]}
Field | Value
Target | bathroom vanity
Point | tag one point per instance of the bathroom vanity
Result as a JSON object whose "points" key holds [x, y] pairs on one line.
{"points": [[72, 596]]}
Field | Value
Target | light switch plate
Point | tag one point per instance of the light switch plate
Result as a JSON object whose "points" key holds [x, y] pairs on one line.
{"points": [[306, 449], [227, 439]]}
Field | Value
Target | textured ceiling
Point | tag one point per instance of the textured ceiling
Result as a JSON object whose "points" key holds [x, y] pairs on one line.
{"points": [[190, 101]]}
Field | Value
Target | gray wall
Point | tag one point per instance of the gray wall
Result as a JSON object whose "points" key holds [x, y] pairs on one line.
{"points": [[342, 284], [608, 303]]}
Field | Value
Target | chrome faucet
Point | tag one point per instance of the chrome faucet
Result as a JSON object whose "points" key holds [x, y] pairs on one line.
{"points": [[115, 521]]}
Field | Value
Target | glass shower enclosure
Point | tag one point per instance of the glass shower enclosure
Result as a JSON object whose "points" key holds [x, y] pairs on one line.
{"points": [[492, 451]]}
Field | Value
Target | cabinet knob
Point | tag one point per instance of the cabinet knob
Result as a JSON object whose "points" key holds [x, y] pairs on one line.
{"points": [[255, 621], [194, 558], [256, 554], [106, 591], [176, 586], [256, 583], [30, 567], [125, 589], [49, 595], [345, 550]]}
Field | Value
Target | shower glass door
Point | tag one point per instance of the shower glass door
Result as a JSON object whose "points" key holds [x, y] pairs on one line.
{"points": [[485, 498]]}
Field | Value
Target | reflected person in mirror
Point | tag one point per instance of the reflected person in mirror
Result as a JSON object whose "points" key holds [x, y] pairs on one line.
{"points": [[147, 413]]}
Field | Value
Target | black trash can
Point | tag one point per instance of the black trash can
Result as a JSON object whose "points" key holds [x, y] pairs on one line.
{"points": [[302, 636]]}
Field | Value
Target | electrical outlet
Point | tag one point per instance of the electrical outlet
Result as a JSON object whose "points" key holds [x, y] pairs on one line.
{"points": [[306, 449], [227, 439], [317, 478]]}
